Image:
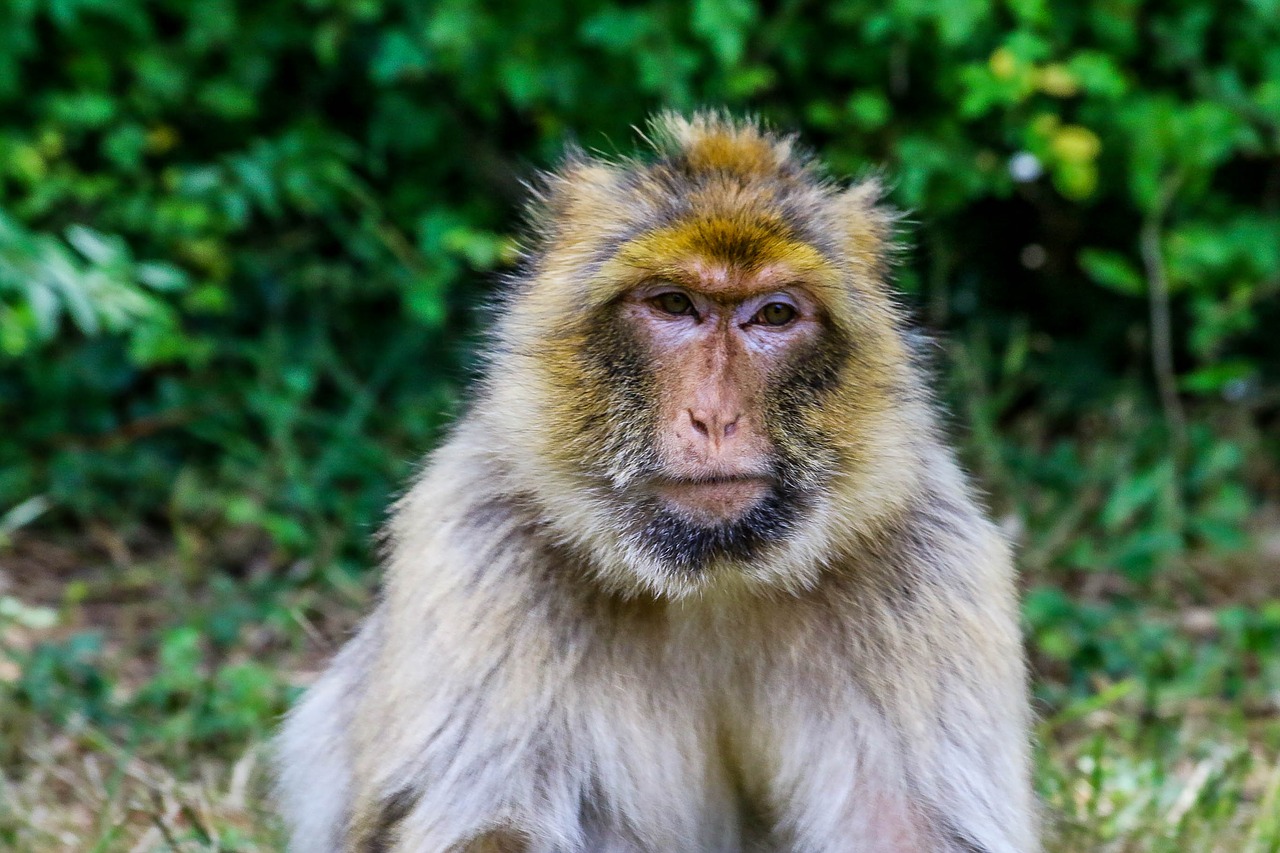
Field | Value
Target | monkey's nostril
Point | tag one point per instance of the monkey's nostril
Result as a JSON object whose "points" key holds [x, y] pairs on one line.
{"points": [[710, 425]]}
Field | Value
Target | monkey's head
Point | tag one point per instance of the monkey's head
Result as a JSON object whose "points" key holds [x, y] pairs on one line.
{"points": [[700, 376]]}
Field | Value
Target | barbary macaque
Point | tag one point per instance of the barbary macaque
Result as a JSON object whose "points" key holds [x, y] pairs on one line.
{"points": [[697, 570]]}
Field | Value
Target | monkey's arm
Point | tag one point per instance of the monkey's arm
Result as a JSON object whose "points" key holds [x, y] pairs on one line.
{"points": [[919, 739], [447, 753], [423, 733], [970, 772], [960, 705], [313, 750]]}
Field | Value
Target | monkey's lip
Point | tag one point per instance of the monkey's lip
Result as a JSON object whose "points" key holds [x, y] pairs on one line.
{"points": [[713, 498]]}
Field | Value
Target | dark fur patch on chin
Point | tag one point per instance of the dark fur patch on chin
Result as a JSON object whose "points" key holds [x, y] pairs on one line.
{"points": [[687, 546]]}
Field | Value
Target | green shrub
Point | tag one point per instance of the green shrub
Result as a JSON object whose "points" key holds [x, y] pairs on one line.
{"points": [[240, 243]]}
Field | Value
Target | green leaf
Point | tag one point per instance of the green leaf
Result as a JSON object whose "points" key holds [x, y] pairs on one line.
{"points": [[724, 25], [399, 57], [1113, 271], [1133, 494], [1213, 378]]}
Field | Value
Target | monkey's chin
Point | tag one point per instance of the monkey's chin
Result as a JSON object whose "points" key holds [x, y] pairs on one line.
{"points": [[713, 502]]}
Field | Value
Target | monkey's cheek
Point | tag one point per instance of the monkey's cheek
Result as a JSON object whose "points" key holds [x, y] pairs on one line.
{"points": [[713, 503]]}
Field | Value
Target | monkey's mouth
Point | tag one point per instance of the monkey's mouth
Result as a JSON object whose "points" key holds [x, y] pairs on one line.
{"points": [[713, 500]]}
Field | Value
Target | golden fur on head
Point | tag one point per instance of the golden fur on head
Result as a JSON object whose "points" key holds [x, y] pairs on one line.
{"points": [[716, 191]]}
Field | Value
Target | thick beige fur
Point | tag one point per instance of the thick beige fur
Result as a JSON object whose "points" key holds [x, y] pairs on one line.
{"points": [[532, 681]]}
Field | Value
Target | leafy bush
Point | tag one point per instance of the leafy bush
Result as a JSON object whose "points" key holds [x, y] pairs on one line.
{"points": [[240, 242]]}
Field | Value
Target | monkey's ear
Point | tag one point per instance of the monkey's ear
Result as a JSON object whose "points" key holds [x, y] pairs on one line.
{"points": [[574, 199], [867, 224]]}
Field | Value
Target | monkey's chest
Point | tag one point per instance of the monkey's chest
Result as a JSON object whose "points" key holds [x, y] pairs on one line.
{"points": [[705, 760], [665, 771]]}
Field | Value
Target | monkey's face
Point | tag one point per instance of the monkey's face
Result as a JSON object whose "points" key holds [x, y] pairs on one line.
{"points": [[702, 372], [723, 354], [714, 352], [709, 404], [711, 376]]}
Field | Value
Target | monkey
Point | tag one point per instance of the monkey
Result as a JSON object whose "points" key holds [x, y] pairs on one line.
{"points": [[697, 569]]}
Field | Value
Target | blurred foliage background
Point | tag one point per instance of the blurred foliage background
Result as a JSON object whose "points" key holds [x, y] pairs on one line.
{"points": [[242, 243]]}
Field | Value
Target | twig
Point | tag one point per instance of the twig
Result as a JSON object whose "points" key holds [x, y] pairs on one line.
{"points": [[133, 430], [1161, 323], [157, 818], [1162, 344]]}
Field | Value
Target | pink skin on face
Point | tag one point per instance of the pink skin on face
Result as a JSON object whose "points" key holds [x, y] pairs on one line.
{"points": [[716, 347]]}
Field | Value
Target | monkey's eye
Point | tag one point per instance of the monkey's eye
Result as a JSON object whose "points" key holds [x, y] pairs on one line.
{"points": [[775, 314], [674, 302]]}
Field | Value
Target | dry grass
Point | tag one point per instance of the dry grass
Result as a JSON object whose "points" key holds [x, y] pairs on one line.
{"points": [[78, 791], [1118, 772]]}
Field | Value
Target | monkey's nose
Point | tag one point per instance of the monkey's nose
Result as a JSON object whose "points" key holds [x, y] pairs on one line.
{"points": [[713, 427]]}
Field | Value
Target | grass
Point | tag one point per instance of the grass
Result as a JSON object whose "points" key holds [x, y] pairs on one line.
{"points": [[78, 791], [150, 734], [1203, 779]]}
